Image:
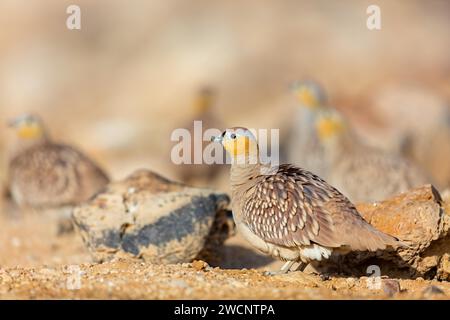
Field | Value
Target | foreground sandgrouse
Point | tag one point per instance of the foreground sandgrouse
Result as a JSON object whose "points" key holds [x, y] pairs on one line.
{"points": [[362, 172], [303, 147], [290, 213], [45, 174]]}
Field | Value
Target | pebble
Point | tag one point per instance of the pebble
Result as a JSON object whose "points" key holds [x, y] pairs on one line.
{"points": [[199, 265], [390, 286], [16, 242], [432, 291], [179, 284]]}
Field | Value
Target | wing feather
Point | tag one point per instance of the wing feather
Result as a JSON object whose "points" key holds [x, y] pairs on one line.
{"points": [[296, 208]]}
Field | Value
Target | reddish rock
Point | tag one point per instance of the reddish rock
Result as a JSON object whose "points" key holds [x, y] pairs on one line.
{"points": [[417, 217]]}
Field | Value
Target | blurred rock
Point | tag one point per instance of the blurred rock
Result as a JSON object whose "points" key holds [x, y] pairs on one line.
{"points": [[417, 218], [147, 216], [431, 292], [65, 226], [199, 265]]}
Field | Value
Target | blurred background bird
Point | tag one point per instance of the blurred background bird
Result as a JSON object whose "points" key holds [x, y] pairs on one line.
{"points": [[46, 174], [416, 121], [361, 172], [303, 147], [203, 110]]}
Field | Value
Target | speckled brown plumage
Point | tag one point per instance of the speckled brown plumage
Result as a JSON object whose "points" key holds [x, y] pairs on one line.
{"points": [[291, 213], [295, 207], [46, 174], [53, 175]]}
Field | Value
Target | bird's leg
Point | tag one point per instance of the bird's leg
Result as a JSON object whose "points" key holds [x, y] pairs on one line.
{"points": [[301, 267], [287, 266], [284, 269]]}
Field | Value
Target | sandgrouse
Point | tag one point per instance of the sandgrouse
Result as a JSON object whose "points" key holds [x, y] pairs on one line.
{"points": [[303, 146], [362, 172], [204, 113], [290, 213], [44, 174]]}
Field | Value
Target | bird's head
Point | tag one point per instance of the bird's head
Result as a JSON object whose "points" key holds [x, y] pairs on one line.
{"points": [[28, 127], [309, 94], [238, 142], [330, 125], [204, 100]]}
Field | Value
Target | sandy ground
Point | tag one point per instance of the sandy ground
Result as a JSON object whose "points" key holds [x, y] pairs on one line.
{"points": [[136, 280], [37, 263]]}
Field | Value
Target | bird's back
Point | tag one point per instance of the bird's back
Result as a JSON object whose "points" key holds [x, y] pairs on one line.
{"points": [[367, 174], [52, 175], [295, 208]]}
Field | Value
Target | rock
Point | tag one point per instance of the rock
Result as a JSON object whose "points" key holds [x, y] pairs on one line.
{"points": [[199, 265], [419, 219], [431, 292], [64, 227], [443, 271], [147, 216]]}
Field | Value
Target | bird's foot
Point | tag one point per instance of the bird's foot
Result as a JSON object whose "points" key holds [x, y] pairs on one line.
{"points": [[274, 273], [284, 269]]}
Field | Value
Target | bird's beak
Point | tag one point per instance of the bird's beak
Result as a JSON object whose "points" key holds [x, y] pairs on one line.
{"points": [[217, 139]]}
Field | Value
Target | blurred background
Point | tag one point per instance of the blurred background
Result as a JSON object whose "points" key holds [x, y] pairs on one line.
{"points": [[120, 85]]}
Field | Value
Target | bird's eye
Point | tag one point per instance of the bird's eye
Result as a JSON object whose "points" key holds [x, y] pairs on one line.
{"points": [[233, 136]]}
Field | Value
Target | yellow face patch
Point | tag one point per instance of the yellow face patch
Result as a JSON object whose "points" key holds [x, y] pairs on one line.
{"points": [[307, 98], [203, 103], [238, 146], [329, 127], [29, 131]]}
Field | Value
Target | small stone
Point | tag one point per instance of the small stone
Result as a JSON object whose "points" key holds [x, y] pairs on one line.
{"points": [[199, 265], [65, 226], [390, 286], [443, 272], [351, 282], [432, 291], [16, 242], [179, 284], [324, 276], [4, 278]]}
